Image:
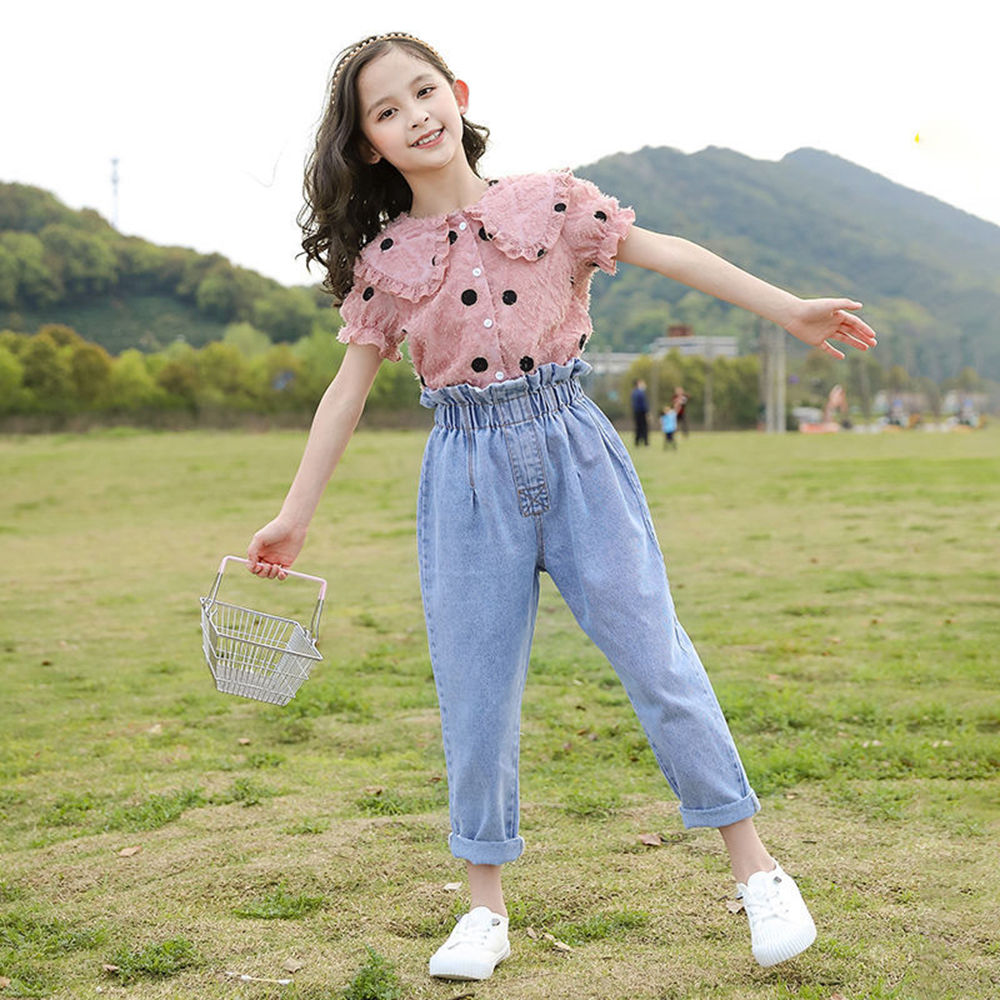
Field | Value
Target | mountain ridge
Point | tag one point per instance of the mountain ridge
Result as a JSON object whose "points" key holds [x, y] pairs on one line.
{"points": [[820, 225]]}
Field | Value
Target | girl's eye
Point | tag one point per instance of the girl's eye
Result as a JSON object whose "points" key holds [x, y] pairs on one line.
{"points": [[424, 90], [384, 114]]}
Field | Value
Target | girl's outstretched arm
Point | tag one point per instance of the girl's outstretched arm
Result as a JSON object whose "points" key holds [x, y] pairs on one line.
{"points": [[274, 548], [814, 321]]}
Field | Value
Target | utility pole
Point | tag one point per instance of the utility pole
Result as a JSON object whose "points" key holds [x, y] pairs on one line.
{"points": [[772, 345], [709, 403], [781, 379], [866, 392], [654, 384], [114, 191]]}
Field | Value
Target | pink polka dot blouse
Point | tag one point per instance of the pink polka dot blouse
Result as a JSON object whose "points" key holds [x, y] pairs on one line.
{"points": [[492, 291]]}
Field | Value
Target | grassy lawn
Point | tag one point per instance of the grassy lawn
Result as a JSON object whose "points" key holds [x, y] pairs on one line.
{"points": [[844, 593]]}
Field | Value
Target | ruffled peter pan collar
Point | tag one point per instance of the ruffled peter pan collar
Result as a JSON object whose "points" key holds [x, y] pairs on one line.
{"points": [[521, 216]]}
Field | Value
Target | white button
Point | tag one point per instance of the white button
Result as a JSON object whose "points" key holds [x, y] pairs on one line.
{"points": [[477, 271], [487, 323], [499, 376], [463, 225]]}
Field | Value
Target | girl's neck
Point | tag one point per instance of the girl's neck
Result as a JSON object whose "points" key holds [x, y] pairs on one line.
{"points": [[445, 191]]}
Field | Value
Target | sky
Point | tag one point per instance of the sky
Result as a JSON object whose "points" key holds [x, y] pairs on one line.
{"points": [[211, 107]]}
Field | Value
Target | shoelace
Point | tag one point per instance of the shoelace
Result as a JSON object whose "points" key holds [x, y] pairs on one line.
{"points": [[466, 932], [766, 900]]}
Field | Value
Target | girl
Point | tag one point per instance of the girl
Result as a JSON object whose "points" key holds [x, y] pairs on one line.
{"points": [[668, 421], [488, 282]]}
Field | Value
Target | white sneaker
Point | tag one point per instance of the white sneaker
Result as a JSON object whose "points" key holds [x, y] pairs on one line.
{"points": [[780, 924], [474, 948]]}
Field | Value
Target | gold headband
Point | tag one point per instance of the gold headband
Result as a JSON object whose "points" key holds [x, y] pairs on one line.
{"points": [[392, 36]]}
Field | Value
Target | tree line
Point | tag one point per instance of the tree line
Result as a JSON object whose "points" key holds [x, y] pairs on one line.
{"points": [[737, 390], [55, 375]]}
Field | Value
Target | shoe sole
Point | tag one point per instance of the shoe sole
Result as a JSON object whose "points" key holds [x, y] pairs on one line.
{"points": [[788, 950], [466, 974]]}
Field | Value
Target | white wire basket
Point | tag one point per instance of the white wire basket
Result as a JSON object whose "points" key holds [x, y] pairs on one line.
{"points": [[257, 655]]}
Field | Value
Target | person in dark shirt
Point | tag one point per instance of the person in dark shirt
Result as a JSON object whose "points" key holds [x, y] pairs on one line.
{"points": [[640, 408]]}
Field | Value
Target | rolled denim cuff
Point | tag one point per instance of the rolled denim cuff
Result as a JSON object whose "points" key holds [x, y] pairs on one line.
{"points": [[717, 816], [486, 852]]}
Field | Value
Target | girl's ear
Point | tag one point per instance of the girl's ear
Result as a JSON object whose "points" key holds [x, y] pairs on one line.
{"points": [[461, 91], [368, 152]]}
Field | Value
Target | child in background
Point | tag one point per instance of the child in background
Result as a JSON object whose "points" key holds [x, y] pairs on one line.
{"points": [[488, 282], [668, 421]]}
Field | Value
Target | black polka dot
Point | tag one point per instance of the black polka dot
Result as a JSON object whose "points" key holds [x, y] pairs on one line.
{"points": [[385, 244], [541, 253], [452, 236], [583, 340], [527, 363], [434, 261], [480, 364], [483, 235], [572, 280], [601, 216], [423, 381], [491, 183], [368, 293], [469, 296], [509, 297], [561, 207]]}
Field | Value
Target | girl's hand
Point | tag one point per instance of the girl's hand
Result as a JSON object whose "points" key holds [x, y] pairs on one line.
{"points": [[274, 548], [817, 321]]}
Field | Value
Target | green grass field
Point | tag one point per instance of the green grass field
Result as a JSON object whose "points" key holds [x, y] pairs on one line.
{"points": [[843, 592]]}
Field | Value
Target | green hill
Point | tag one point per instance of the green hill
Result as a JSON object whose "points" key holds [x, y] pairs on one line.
{"points": [[929, 274], [62, 266]]}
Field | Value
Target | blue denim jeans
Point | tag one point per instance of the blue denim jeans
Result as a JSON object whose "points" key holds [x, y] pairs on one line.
{"points": [[529, 475]]}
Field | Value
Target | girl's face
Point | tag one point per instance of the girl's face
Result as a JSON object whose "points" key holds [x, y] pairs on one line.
{"points": [[410, 114]]}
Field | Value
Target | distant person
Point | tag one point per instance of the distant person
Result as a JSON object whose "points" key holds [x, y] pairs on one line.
{"points": [[967, 415], [898, 417], [679, 405], [522, 471], [640, 410], [668, 421]]}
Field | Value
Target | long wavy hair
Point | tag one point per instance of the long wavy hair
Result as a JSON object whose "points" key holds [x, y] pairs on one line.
{"points": [[348, 200]]}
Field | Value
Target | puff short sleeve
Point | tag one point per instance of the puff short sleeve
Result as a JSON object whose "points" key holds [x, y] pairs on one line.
{"points": [[369, 316], [595, 224]]}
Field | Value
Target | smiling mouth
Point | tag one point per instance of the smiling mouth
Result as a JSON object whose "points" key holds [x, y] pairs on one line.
{"points": [[426, 140]]}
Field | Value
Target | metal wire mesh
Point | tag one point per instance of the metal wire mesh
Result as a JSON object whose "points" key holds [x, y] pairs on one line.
{"points": [[253, 654]]}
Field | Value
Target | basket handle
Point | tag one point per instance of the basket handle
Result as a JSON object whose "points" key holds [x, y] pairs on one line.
{"points": [[290, 572], [314, 624]]}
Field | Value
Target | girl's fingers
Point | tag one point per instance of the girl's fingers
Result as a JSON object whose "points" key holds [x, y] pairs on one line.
{"points": [[856, 333], [269, 570], [851, 338], [856, 323]]}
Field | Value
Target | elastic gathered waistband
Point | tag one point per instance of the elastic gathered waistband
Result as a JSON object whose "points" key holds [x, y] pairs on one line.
{"points": [[550, 388]]}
